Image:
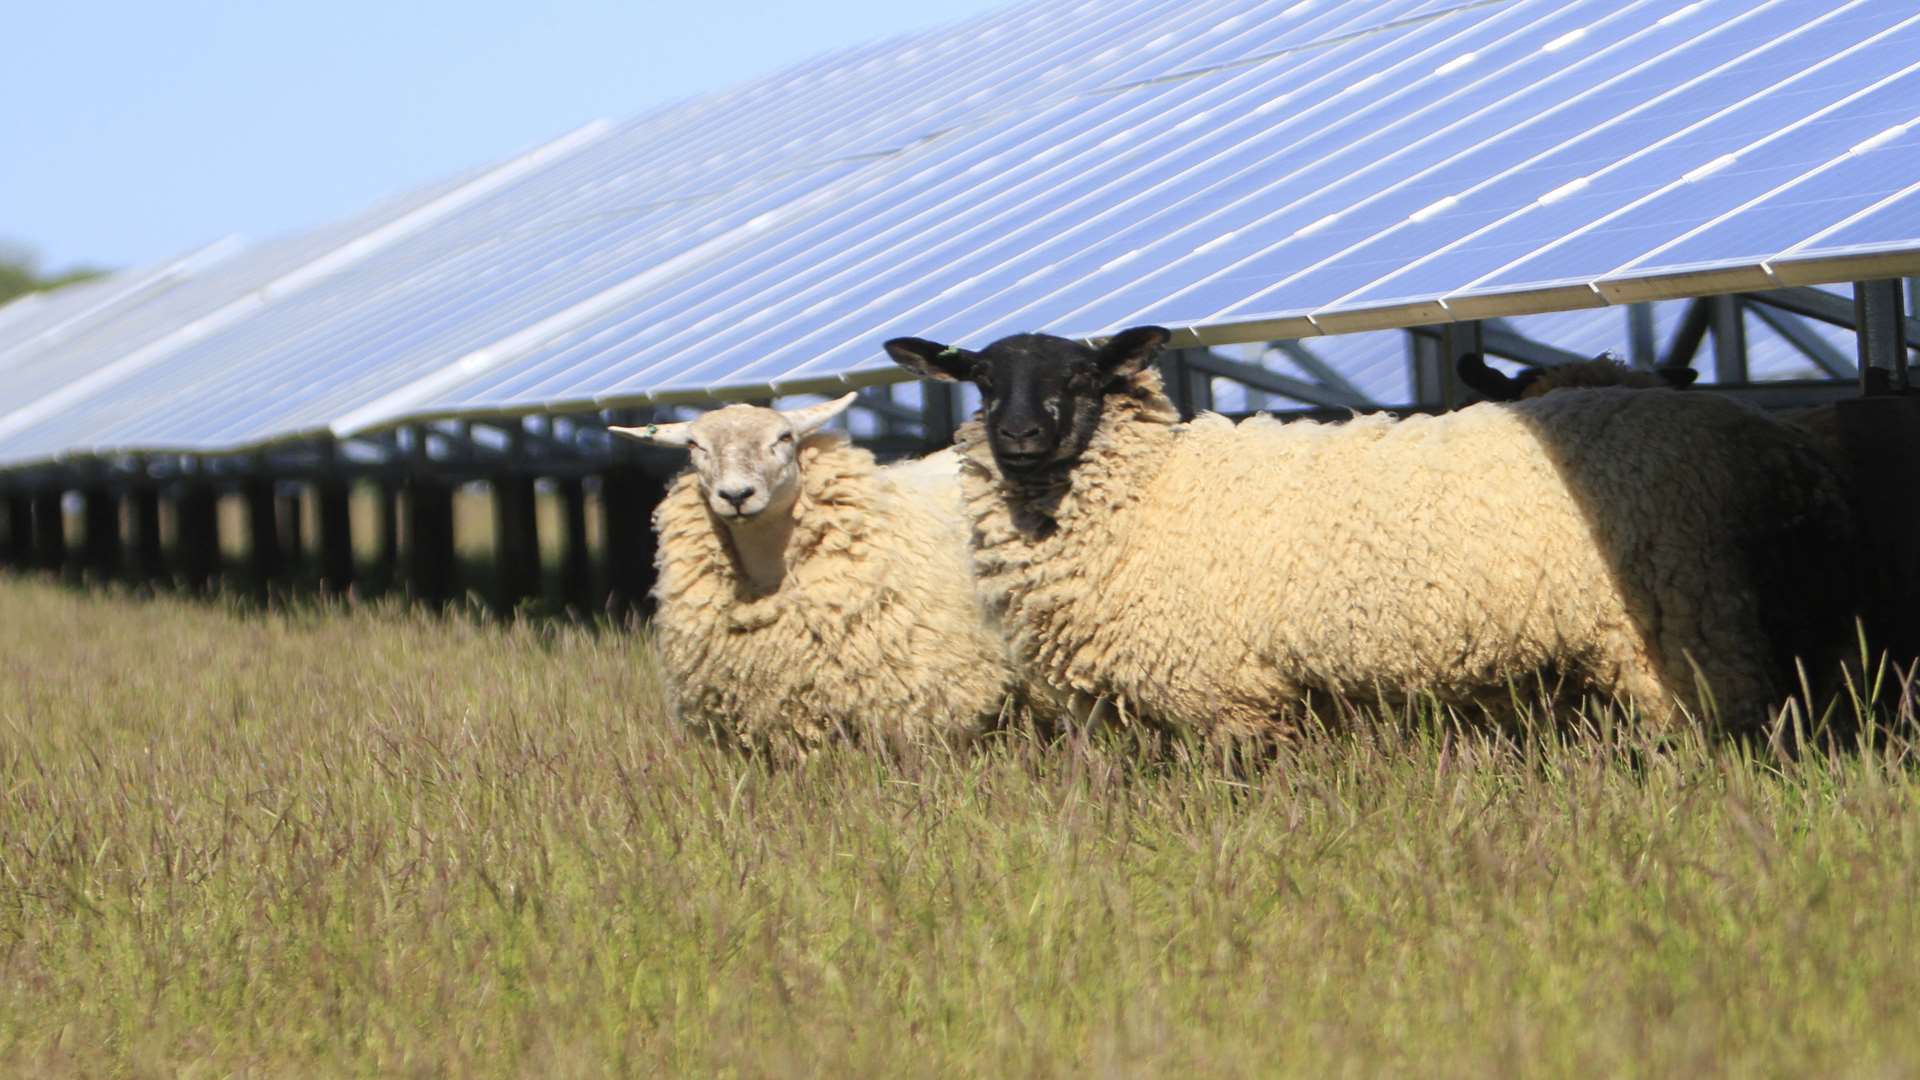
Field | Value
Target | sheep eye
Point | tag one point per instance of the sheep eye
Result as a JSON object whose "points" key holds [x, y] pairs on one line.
{"points": [[691, 445], [785, 436]]}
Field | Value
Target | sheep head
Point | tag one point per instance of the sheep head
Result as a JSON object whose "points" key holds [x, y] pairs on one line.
{"points": [[1533, 381], [746, 457], [1041, 395]]}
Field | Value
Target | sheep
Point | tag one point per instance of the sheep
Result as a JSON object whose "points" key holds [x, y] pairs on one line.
{"points": [[1820, 422], [1532, 382], [1214, 576], [1888, 614], [804, 592]]}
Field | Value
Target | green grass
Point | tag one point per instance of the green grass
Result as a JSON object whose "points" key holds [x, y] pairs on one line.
{"points": [[368, 842]]}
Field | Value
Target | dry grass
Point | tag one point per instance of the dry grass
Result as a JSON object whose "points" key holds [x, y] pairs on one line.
{"points": [[367, 842]]}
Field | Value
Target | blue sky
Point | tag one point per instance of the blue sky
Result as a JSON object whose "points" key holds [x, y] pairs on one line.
{"points": [[135, 131]]}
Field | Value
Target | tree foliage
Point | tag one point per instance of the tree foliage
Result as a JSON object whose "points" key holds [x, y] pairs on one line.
{"points": [[20, 273]]}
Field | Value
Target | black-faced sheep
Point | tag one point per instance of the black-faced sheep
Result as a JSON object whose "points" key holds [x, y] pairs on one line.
{"points": [[1534, 381], [805, 592], [1212, 576]]}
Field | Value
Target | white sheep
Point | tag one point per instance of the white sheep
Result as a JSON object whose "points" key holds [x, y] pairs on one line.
{"points": [[1214, 576], [804, 592]]}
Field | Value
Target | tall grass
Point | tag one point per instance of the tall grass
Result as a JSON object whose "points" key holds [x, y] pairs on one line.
{"points": [[363, 841]]}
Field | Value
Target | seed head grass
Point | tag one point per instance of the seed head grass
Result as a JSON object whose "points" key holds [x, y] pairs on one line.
{"points": [[333, 841]]}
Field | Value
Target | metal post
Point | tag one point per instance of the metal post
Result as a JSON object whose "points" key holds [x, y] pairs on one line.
{"points": [[1423, 369], [430, 552], [1641, 346], [100, 544], [1437, 364], [1728, 318], [50, 530], [1913, 306], [149, 559], [1879, 313], [335, 509], [516, 531], [196, 537], [19, 538], [936, 413], [291, 512], [264, 554], [1190, 388], [576, 559], [628, 495], [1689, 334], [387, 521]]}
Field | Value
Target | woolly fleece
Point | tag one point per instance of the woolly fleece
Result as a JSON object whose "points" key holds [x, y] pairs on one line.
{"points": [[1211, 576], [875, 631]]}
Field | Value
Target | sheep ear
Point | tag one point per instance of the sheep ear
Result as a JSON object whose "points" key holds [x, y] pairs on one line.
{"points": [[1677, 377], [932, 360], [1485, 381], [814, 417], [1131, 350], [671, 436]]}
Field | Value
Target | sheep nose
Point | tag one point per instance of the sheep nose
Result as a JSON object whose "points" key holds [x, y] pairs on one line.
{"points": [[1025, 431], [737, 495]]}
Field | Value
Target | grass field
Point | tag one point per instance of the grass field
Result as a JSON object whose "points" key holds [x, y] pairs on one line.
{"points": [[367, 842]]}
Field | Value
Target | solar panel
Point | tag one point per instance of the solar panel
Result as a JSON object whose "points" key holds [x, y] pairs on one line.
{"points": [[945, 287], [53, 378], [42, 320], [1245, 170]]}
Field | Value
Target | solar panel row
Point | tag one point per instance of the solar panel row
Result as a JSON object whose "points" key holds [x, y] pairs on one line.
{"points": [[1242, 169]]}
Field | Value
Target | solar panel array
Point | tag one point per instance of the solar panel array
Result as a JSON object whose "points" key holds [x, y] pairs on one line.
{"points": [[1242, 170]]}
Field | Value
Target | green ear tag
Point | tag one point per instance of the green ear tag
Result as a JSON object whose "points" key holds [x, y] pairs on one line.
{"points": [[652, 430], [951, 350]]}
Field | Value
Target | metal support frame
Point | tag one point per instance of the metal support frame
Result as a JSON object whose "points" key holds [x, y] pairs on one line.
{"points": [[1642, 349], [430, 553], [149, 557], [196, 537], [333, 506], [1880, 315], [936, 413], [1727, 321], [266, 563], [1321, 372], [101, 542], [576, 554], [1795, 331], [1688, 335], [1436, 364], [431, 572], [1272, 382], [628, 495], [1823, 306], [19, 538], [387, 492], [291, 509], [1188, 384], [1502, 340], [516, 532], [50, 530]]}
